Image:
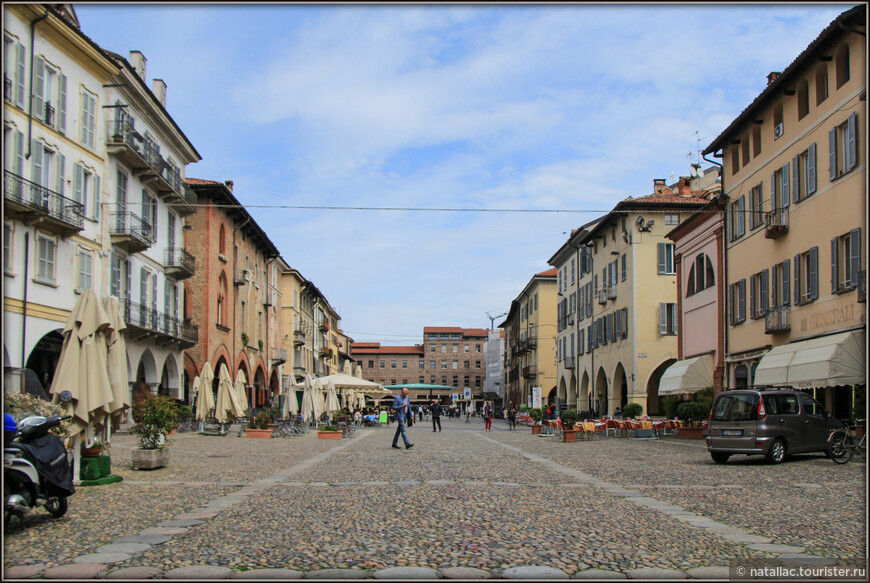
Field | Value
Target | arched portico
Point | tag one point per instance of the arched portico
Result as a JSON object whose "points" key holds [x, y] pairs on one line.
{"points": [[653, 403], [620, 386], [601, 401]]}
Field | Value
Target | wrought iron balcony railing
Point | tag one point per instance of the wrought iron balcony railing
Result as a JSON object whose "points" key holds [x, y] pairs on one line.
{"points": [[530, 371], [130, 231], [775, 223], [52, 210], [141, 319], [7, 88], [179, 263], [569, 362], [776, 320]]}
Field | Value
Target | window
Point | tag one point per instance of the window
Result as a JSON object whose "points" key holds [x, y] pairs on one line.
{"points": [[736, 218], [371, 364], [115, 282], [780, 182], [392, 364], [756, 141], [13, 56], [455, 364], [624, 270], [845, 261], [778, 127], [455, 348], [746, 146], [466, 364], [443, 365], [421, 364], [431, 348], [843, 147], [667, 318], [804, 174], [701, 275], [222, 242], [843, 66], [803, 99], [737, 302], [443, 349], [734, 154], [46, 250], [821, 83], [477, 347], [46, 169], [49, 95], [806, 276], [781, 284], [672, 219], [477, 364], [88, 119], [85, 185], [86, 268], [756, 206], [758, 294], [665, 259], [383, 365], [431, 364], [7, 248], [467, 348], [404, 364]]}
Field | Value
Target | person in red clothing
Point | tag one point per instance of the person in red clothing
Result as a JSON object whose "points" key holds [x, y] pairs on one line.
{"points": [[487, 415]]}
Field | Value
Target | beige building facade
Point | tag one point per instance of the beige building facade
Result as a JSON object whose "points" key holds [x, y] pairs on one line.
{"points": [[795, 174]]}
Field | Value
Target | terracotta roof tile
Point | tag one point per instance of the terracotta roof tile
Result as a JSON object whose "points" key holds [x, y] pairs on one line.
{"points": [[549, 272]]}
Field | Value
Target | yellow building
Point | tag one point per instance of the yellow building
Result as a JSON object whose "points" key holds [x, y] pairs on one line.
{"points": [[616, 313], [297, 323], [529, 346], [794, 166]]}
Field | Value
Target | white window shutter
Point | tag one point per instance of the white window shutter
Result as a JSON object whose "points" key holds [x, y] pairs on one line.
{"points": [[661, 257], [19, 76], [663, 318], [39, 89]]}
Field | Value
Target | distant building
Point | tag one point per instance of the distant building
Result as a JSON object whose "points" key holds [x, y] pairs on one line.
{"points": [[493, 358]]}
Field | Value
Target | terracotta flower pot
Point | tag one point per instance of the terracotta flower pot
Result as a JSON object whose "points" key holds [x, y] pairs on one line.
{"points": [[329, 435], [92, 451], [569, 435], [690, 433], [536, 429], [259, 433]]}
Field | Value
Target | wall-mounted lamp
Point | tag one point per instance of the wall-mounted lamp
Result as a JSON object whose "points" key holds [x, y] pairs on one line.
{"points": [[187, 227], [614, 252]]}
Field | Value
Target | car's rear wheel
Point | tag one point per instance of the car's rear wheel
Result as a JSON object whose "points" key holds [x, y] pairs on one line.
{"points": [[776, 453], [719, 457]]}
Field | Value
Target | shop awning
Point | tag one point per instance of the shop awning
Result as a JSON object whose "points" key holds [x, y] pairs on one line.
{"points": [[827, 361], [688, 376]]}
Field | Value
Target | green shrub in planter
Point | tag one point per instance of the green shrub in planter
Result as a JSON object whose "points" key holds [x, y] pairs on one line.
{"points": [[261, 421], [536, 414], [158, 415], [568, 418], [632, 410], [329, 428], [693, 411]]}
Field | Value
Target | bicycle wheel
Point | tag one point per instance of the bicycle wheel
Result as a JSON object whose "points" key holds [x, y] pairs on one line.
{"points": [[840, 447]]}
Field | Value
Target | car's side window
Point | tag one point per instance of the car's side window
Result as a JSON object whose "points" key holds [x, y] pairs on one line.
{"points": [[788, 404], [811, 406]]}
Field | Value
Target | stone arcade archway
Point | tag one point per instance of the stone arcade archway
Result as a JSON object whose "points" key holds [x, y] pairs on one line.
{"points": [[44, 356], [620, 386], [601, 400], [653, 403]]}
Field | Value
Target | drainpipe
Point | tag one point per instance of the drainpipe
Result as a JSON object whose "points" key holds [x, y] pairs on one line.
{"points": [[24, 302], [30, 94]]}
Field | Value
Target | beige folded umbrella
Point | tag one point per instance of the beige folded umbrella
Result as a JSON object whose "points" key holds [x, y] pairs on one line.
{"points": [[241, 394], [205, 398], [331, 403], [117, 360], [226, 406]]}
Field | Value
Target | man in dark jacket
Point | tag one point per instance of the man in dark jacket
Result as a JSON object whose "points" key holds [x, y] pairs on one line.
{"points": [[435, 409]]}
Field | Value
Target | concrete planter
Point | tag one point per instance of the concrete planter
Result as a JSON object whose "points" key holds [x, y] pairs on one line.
{"points": [[569, 435], [329, 435], [259, 433], [149, 459], [690, 433]]}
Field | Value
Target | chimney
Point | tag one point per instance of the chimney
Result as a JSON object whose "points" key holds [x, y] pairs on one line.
{"points": [[658, 185], [158, 87], [229, 184], [137, 59], [684, 186], [772, 76]]}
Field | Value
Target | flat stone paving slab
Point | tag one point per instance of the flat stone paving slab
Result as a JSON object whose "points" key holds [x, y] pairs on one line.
{"points": [[177, 523], [134, 573], [163, 530], [24, 572], [79, 571], [406, 573], [653, 573], [338, 574], [598, 574], [803, 559], [150, 539], [269, 574], [775, 548], [464, 573], [708, 572], [104, 558], [534, 572], [127, 548], [199, 572]]}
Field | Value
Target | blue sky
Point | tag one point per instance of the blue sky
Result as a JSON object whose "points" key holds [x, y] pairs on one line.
{"points": [[568, 106]]}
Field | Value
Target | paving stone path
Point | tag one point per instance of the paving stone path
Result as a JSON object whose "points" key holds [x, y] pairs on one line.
{"points": [[462, 504]]}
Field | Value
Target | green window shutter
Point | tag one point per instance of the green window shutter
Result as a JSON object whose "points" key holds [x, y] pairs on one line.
{"points": [[786, 280], [835, 267], [78, 182], [832, 153], [97, 197], [796, 182], [39, 89], [19, 154], [36, 164], [61, 173], [660, 250], [61, 103], [811, 169], [851, 149], [813, 273]]}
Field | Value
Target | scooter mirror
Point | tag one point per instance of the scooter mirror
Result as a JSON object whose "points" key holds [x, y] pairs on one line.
{"points": [[65, 396]]}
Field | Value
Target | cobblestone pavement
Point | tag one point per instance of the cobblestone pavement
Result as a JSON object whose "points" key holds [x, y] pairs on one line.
{"points": [[463, 503]]}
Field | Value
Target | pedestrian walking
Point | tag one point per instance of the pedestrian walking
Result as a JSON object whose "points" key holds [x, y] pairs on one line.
{"points": [[435, 409], [420, 412], [487, 416], [402, 409], [512, 418]]}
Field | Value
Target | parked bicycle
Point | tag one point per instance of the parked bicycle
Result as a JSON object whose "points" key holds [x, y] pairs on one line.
{"points": [[843, 445]]}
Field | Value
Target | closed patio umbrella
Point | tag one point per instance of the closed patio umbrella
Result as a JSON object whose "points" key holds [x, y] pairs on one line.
{"points": [[291, 406], [205, 398], [241, 395], [332, 403], [117, 361], [226, 406]]}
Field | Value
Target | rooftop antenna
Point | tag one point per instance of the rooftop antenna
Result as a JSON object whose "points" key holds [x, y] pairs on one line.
{"points": [[492, 319], [696, 160]]}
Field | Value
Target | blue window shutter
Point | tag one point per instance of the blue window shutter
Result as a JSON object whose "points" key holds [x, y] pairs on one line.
{"points": [[851, 149], [765, 295], [786, 280], [786, 180], [741, 216], [832, 153], [797, 279], [796, 182], [811, 169], [742, 299], [813, 274], [835, 267], [752, 287], [855, 257]]}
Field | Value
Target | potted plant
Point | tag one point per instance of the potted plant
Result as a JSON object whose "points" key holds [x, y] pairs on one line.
{"points": [[244, 339], [260, 345], [569, 434], [156, 416], [693, 412], [632, 411], [329, 432], [258, 426], [536, 414], [95, 449]]}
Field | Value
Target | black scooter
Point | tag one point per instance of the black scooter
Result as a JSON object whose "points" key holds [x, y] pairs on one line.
{"points": [[36, 469]]}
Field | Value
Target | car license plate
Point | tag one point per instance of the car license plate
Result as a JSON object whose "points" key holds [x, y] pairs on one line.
{"points": [[732, 432]]}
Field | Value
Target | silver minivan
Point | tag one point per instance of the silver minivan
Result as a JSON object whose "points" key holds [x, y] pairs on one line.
{"points": [[774, 423]]}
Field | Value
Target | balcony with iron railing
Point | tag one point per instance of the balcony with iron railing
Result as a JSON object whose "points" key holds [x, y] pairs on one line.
{"points": [[776, 320], [37, 205], [298, 337], [530, 371], [143, 322], [569, 362], [7, 88], [143, 155], [776, 223], [129, 231], [179, 264], [279, 355]]}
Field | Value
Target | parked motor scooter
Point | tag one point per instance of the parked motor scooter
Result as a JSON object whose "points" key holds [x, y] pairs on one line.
{"points": [[36, 469]]}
